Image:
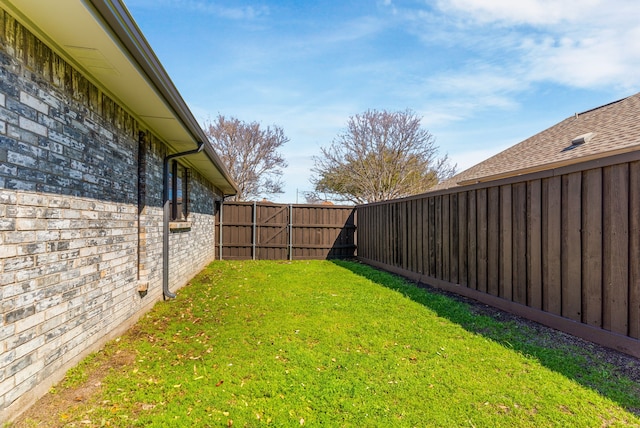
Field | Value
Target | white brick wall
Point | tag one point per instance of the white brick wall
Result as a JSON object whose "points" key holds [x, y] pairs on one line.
{"points": [[33, 102], [58, 276]]}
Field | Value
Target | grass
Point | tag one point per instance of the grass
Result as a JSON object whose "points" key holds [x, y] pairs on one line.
{"points": [[338, 344]]}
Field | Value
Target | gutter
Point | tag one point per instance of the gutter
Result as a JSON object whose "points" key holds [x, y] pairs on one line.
{"points": [[166, 214], [118, 18]]}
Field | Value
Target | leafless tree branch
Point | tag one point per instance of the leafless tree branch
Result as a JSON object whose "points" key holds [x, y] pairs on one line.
{"points": [[251, 155], [381, 155]]}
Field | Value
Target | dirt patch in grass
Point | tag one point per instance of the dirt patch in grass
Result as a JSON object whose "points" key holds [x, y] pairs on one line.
{"points": [[61, 402]]}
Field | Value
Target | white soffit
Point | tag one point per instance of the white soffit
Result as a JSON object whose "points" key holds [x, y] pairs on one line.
{"points": [[76, 32]]}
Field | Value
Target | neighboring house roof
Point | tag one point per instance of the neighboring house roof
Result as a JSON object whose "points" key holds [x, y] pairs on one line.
{"points": [[603, 131], [102, 41]]}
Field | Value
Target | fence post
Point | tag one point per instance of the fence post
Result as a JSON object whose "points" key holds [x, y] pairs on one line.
{"points": [[221, 205], [290, 232], [355, 231], [253, 238]]}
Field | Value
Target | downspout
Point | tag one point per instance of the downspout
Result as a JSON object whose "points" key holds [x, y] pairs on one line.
{"points": [[166, 215]]}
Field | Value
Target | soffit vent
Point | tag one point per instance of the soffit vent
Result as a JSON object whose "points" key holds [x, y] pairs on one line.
{"points": [[91, 58]]}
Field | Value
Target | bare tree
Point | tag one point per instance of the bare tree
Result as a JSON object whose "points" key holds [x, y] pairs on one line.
{"points": [[251, 155], [381, 155], [314, 198]]}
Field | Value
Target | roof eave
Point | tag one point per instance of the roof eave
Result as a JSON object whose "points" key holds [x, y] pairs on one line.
{"points": [[118, 18], [546, 166]]}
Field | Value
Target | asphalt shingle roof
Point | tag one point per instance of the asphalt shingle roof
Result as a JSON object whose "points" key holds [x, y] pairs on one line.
{"points": [[614, 128]]}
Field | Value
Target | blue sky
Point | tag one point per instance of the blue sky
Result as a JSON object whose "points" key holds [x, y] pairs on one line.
{"points": [[482, 74]]}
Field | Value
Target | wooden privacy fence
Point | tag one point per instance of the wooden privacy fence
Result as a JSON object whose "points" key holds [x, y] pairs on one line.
{"points": [[561, 247], [267, 231]]}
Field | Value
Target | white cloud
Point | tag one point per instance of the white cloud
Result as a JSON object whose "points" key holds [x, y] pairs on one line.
{"points": [[533, 12], [440, 115], [487, 82], [354, 29], [334, 35], [511, 46], [608, 58]]}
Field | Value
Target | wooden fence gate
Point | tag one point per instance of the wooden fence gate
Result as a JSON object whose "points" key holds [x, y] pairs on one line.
{"points": [[267, 231]]}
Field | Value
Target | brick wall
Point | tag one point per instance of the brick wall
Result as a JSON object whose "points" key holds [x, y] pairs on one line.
{"points": [[80, 219], [201, 237]]}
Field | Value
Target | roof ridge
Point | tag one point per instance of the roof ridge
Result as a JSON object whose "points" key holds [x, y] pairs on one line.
{"points": [[602, 106]]}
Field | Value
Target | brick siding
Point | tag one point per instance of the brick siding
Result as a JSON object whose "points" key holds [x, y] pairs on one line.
{"points": [[80, 218]]}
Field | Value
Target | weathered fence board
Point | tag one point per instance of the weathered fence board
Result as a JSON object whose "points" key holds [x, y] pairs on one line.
{"points": [[431, 222], [454, 237], [592, 247], [445, 238], [616, 250], [551, 245], [534, 244], [571, 246], [492, 252], [472, 252], [504, 264], [519, 241], [420, 235], [266, 231], [463, 249], [634, 248], [482, 241]]}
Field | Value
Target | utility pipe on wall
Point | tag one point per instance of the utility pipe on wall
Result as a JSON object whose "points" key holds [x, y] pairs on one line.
{"points": [[166, 215]]}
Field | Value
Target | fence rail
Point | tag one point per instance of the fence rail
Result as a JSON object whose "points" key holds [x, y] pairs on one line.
{"points": [[561, 247], [267, 231]]}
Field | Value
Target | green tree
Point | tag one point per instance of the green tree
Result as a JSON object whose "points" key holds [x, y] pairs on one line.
{"points": [[380, 156]]}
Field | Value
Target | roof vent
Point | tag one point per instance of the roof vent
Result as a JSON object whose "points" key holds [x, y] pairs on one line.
{"points": [[579, 140]]}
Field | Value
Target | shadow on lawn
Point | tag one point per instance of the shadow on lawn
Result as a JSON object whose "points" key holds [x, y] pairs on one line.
{"points": [[611, 373]]}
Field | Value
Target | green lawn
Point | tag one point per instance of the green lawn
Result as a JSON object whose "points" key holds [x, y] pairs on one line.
{"points": [[339, 344]]}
